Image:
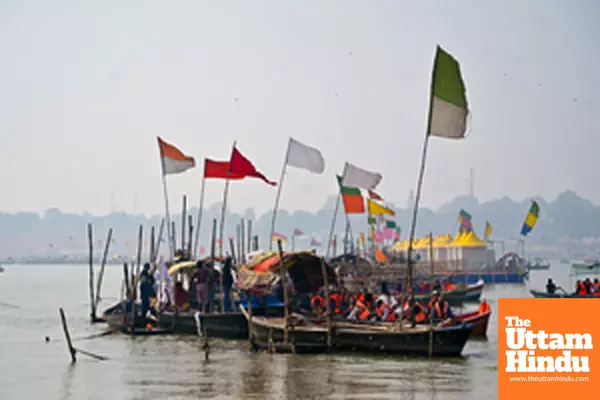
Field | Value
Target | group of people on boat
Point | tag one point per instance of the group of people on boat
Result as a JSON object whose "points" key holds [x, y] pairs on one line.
{"points": [[582, 288], [365, 306]]}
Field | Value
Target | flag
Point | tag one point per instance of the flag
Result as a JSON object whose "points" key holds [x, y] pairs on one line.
{"points": [[352, 198], [531, 218], [314, 242], [375, 196], [240, 165], [202, 250], [390, 229], [372, 220], [172, 159], [277, 236], [488, 230], [298, 232], [397, 234], [219, 170], [302, 156], [360, 178], [464, 218], [380, 257], [448, 108], [378, 209]]}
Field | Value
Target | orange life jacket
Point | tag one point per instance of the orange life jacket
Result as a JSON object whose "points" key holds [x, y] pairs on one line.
{"points": [[339, 302], [420, 316], [381, 309], [581, 290], [363, 312], [316, 302], [597, 289]]}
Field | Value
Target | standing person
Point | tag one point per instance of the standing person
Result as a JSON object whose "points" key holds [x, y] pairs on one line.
{"points": [[146, 288], [202, 279], [227, 283]]}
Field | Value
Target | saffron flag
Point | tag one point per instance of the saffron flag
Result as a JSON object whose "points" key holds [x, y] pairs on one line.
{"points": [[302, 156], [488, 230], [464, 218], [448, 108], [375, 196], [352, 198], [172, 159], [380, 257], [378, 209], [298, 232], [219, 170], [240, 165], [360, 178], [277, 236], [531, 218]]}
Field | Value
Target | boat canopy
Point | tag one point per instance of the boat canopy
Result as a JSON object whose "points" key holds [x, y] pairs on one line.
{"points": [[304, 268], [191, 264]]}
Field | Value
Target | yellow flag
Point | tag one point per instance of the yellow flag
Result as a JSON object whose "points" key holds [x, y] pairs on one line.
{"points": [[488, 230], [378, 209]]}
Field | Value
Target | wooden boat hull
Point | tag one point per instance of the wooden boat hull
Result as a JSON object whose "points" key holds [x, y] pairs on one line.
{"points": [[456, 297], [117, 318], [447, 342], [349, 336], [479, 320], [543, 295]]}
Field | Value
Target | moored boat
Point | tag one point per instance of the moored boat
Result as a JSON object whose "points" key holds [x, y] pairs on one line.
{"points": [[479, 319], [543, 295], [459, 294]]}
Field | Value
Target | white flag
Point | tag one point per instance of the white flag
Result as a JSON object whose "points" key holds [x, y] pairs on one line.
{"points": [[305, 157], [360, 178]]}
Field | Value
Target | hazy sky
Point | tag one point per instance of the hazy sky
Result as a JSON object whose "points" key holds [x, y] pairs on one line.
{"points": [[85, 87]]}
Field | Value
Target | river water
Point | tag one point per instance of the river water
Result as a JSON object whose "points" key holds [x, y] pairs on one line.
{"points": [[164, 367]]}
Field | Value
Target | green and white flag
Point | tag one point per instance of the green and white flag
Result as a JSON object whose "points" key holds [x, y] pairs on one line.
{"points": [[449, 108]]}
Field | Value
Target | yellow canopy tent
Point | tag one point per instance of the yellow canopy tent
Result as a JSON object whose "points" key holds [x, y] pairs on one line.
{"points": [[471, 240]]}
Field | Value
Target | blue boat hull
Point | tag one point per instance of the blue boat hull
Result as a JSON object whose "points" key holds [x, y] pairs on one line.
{"points": [[490, 278]]}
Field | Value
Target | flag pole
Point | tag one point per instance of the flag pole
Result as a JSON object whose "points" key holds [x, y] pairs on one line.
{"points": [[166, 196], [224, 206], [199, 218], [278, 196], [335, 211], [420, 184]]}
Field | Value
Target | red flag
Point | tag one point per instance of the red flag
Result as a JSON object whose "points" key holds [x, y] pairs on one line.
{"points": [[219, 169], [374, 195], [240, 165]]}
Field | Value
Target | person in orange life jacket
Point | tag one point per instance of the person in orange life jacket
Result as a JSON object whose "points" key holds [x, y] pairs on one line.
{"points": [[596, 286], [442, 310], [434, 298], [588, 286], [580, 289], [359, 310], [317, 303], [385, 312]]}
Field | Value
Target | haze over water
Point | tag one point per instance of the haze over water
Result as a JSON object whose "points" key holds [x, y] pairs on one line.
{"points": [[174, 367]]}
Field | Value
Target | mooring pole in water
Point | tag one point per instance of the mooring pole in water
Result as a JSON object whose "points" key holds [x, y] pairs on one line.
{"points": [[206, 345], [250, 322], [103, 265], [72, 350], [285, 292], [327, 301], [91, 275]]}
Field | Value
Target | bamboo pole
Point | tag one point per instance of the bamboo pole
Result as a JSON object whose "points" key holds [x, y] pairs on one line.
{"points": [[332, 228], [191, 228], [152, 247], [250, 322], [139, 254], [126, 280], [431, 285], [72, 350], [91, 275], [173, 239], [103, 266], [183, 221], [238, 242], [242, 247], [224, 206], [232, 249], [159, 240], [249, 235], [285, 292], [327, 301]]}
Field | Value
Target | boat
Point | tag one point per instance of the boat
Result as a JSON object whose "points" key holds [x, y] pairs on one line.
{"points": [[543, 295], [592, 267], [538, 265], [119, 317], [1, 268], [481, 321], [459, 294], [348, 336], [564, 261]]}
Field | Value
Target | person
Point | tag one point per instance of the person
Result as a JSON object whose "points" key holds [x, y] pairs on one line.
{"points": [[580, 289], [550, 286], [442, 310], [437, 286], [316, 303], [146, 288], [202, 278], [596, 287], [359, 310], [588, 286], [181, 297], [385, 312], [227, 283]]}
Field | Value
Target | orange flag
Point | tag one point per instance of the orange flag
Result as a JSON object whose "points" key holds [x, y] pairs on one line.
{"points": [[380, 257]]}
